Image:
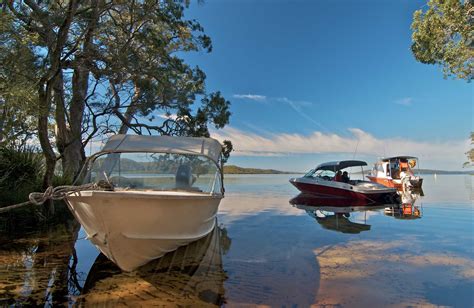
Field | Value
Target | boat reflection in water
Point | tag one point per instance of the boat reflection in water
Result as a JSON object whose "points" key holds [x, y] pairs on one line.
{"points": [[408, 209], [332, 215], [190, 276]]}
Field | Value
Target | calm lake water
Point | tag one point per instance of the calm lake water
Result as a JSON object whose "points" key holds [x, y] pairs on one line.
{"points": [[267, 252]]}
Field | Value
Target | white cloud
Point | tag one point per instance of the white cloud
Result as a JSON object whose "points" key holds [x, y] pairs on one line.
{"points": [[406, 101], [431, 154], [253, 97], [168, 116]]}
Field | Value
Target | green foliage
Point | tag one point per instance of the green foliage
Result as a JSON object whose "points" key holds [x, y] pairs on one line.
{"points": [[20, 174], [227, 148], [93, 64], [147, 77], [470, 154], [17, 83], [444, 35]]}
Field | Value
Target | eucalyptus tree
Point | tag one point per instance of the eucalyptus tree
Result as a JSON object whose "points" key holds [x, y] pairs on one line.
{"points": [[110, 66], [145, 76], [17, 80], [60, 45], [444, 34]]}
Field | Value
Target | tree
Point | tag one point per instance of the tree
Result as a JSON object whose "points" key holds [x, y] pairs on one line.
{"points": [[444, 35], [17, 80], [470, 153], [114, 66]]}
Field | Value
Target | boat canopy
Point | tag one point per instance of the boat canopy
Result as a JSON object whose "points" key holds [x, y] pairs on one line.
{"points": [[398, 157], [208, 147], [338, 165]]}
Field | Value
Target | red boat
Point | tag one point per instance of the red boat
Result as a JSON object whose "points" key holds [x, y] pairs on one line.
{"points": [[325, 181], [331, 215]]}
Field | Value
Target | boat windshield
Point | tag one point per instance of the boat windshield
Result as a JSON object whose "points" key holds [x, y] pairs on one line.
{"points": [[156, 171], [354, 173], [324, 174]]}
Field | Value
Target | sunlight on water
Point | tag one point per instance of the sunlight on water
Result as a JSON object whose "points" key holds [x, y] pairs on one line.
{"points": [[268, 252]]}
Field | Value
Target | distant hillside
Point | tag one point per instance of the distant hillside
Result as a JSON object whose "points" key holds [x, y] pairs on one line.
{"points": [[231, 169], [430, 171], [433, 171]]}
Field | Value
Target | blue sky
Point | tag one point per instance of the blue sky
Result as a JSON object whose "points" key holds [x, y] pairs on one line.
{"points": [[315, 80]]}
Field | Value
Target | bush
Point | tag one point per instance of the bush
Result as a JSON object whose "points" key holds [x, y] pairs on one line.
{"points": [[21, 172]]}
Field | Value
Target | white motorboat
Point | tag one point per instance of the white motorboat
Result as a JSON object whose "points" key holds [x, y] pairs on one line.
{"points": [[398, 172], [163, 193]]}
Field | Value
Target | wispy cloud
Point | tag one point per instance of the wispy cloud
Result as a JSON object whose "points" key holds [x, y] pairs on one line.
{"points": [[253, 97], [297, 107], [269, 99], [293, 102], [251, 144], [406, 101], [168, 116]]}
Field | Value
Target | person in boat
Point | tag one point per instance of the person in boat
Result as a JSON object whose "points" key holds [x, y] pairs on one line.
{"points": [[345, 177], [338, 176]]}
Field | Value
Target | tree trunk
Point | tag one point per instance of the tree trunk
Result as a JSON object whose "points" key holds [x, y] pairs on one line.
{"points": [[51, 79], [71, 149], [130, 112], [50, 157], [69, 137]]}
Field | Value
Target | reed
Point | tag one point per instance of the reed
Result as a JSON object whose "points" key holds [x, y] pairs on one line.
{"points": [[21, 172]]}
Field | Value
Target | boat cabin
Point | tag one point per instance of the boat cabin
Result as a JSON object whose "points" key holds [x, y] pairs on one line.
{"points": [[395, 167], [158, 163], [334, 171]]}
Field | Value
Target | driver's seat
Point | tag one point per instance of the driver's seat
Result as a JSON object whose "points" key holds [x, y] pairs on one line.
{"points": [[184, 177]]}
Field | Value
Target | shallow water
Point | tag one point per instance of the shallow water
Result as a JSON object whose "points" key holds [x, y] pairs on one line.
{"points": [[267, 252]]}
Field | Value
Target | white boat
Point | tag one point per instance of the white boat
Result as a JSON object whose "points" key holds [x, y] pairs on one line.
{"points": [[397, 172], [164, 193]]}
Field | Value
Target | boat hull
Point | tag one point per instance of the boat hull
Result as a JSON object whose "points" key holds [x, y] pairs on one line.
{"points": [[385, 182], [337, 205], [345, 194], [415, 183], [132, 228]]}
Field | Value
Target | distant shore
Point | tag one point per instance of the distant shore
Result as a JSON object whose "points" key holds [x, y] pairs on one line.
{"points": [[232, 169]]}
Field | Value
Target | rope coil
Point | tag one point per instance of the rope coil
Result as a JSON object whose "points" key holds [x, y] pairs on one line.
{"points": [[58, 193]]}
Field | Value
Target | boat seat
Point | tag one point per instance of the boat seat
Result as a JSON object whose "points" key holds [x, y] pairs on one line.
{"points": [[184, 177]]}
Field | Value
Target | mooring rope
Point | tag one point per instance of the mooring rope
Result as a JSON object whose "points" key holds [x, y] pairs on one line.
{"points": [[57, 193]]}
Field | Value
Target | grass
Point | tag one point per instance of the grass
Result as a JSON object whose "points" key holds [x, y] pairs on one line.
{"points": [[21, 172]]}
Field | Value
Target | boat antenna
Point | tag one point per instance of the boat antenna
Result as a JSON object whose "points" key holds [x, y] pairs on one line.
{"points": [[355, 151]]}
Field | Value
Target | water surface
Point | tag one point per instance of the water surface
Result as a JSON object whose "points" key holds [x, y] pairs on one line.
{"points": [[267, 252]]}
